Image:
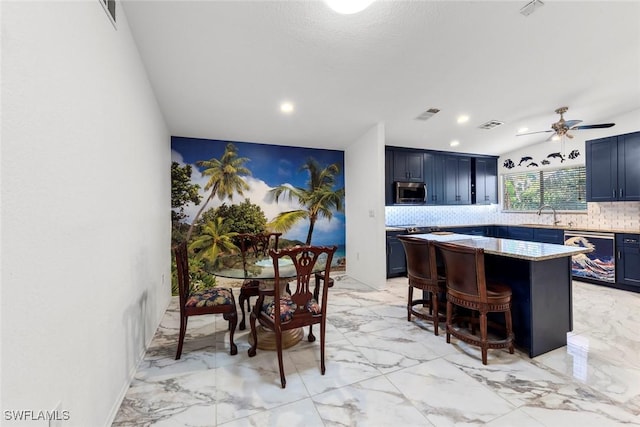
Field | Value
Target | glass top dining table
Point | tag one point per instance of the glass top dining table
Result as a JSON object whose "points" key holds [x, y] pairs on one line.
{"points": [[231, 266], [262, 268]]}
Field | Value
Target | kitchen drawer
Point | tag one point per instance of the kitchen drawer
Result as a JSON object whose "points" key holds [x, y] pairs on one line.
{"points": [[632, 240]]}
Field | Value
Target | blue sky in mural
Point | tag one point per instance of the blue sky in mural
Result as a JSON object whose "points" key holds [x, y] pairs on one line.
{"points": [[270, 165]]}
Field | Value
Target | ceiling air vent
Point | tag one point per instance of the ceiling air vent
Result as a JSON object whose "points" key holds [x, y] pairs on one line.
{"points": [[531, 7], [428, 114], [491, 124]]}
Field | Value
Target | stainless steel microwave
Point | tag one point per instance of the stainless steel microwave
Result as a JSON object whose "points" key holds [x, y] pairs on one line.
{"points": [[410, 192]]}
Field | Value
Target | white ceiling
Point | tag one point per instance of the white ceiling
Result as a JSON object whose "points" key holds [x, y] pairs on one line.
{"points": [[221, 68]]}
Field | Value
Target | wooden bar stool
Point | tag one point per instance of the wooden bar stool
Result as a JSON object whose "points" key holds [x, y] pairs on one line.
{"points": [[422, 272], [468, 288]]}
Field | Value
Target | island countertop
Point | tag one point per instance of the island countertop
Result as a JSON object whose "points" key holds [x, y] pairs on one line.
{"points": [[532, 251]]}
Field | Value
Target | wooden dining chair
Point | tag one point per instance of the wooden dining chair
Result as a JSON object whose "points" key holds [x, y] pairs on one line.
{"points": [[423, 275], [279, 311], [253, 245], [216, 300], [468, 288]]}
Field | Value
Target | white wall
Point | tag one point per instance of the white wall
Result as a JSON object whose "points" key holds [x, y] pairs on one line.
{"points": [[85, 210], [364, 208]]}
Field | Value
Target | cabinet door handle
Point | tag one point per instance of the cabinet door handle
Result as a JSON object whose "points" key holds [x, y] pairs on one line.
{"points": [[621, 196], [619, 255], [614, 193]]}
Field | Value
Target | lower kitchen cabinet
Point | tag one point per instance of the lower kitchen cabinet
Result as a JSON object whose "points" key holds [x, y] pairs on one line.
{"points": [[396, 258], [474, 231], [628, 259], [520, 233], [548, 235], [627, 249]]}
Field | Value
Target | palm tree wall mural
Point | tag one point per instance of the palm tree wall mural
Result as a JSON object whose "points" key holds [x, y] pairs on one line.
{"points": [[319, 199], [225, 178], [299, 190]]}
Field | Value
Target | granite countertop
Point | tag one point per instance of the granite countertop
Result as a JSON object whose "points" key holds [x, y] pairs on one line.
{"points": [[532, 251], [554, 227], [574, 228]]}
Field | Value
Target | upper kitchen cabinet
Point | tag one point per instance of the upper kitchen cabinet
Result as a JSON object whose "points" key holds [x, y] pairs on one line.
{"points": [[612, 168], [408, 165], [484, 187], [388, 177], [434, 177], [457, 180]]}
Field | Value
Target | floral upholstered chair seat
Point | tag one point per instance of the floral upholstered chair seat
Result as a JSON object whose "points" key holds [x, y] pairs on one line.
{"points": [[210, 297], [198, 300], [288, 307]]}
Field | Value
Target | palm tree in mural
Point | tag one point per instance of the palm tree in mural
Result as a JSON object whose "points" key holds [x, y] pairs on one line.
{"points": [[320, 199], [213, 239], [225, 178]]}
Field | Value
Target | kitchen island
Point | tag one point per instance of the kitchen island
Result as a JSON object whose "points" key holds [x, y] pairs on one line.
{"points": [[539, 275]]}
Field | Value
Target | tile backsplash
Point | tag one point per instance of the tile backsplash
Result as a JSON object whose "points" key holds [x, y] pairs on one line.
{"points": [[599, 216]]}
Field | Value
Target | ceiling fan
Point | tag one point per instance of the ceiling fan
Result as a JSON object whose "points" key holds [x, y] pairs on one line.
{"points": [[562, 127]]}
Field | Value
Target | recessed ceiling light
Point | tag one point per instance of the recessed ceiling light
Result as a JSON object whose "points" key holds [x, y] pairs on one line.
{"points": [[347, 7], [463, 119], [454, 143], [523, 130], [286, 107]]}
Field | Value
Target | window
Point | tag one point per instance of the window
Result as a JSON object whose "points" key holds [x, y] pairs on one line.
{"points": [[564, 189]]}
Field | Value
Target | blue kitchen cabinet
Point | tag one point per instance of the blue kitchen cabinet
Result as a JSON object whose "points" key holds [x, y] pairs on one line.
{"points": [[408, 165], [520, 233], [484, 187], [612, 168], [388, 177], [628, 260], [457, 180], [548, 235], [434, 177], [396, 258]]}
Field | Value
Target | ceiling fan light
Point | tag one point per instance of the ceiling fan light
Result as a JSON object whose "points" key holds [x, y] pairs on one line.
{"points": [[348, 7], [286, 107], [555, 138]]}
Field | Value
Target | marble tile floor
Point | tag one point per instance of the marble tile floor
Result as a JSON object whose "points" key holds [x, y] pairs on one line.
{"points": [[382, 370]]}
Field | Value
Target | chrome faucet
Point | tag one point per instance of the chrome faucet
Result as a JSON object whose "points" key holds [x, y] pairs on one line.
{"points": [[555, 220]]}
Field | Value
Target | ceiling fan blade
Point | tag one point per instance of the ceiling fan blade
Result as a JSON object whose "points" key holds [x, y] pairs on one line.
{"points": [[600, 126], [571, 123], [531, 133]]}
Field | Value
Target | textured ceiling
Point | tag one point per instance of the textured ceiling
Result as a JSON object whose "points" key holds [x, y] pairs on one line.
{"points": [[221, 68]]}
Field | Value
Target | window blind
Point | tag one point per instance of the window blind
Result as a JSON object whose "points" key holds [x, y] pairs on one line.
{"points": [[564, 189]]}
